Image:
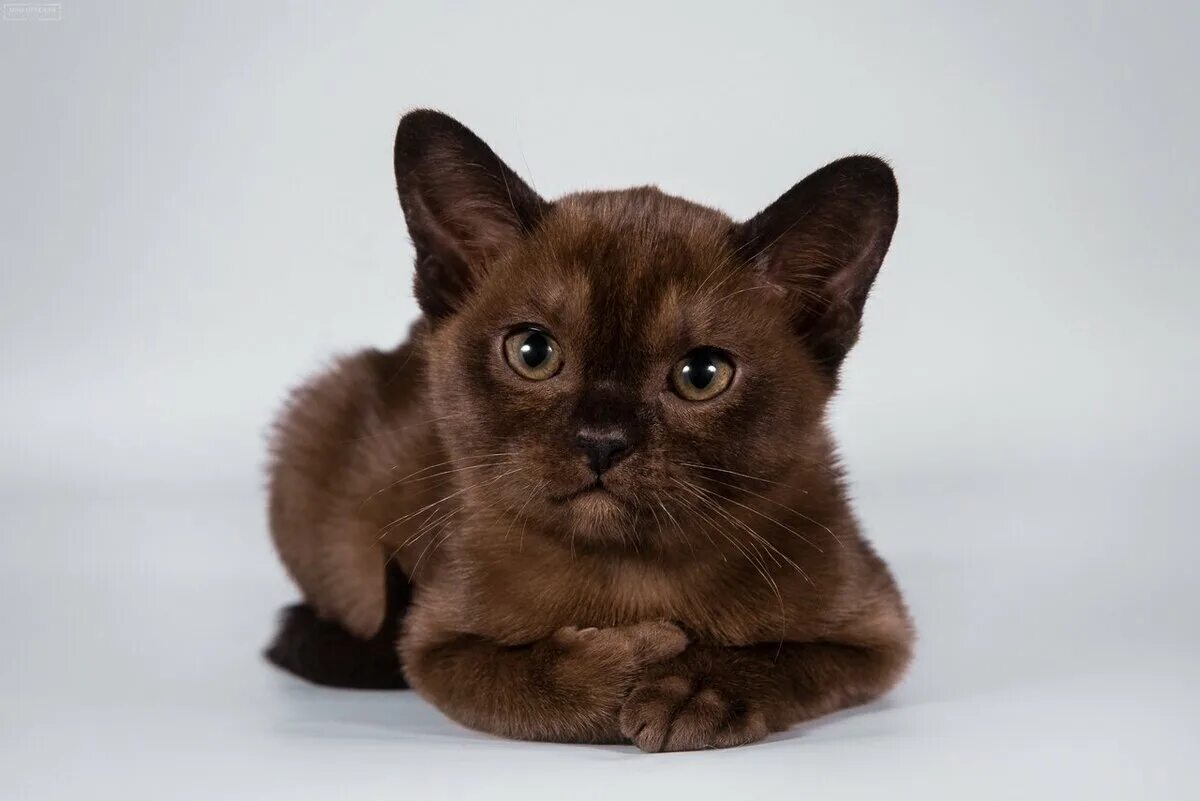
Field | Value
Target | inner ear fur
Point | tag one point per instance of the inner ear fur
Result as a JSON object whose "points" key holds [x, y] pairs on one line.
{"points": [[464, 206], [824, 241]]}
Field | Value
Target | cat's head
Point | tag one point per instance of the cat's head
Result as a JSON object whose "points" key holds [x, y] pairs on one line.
{"points": [[597, 362]]}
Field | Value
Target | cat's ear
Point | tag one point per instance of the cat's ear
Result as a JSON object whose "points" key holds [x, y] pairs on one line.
{"points": [[824, 241], [463, 205]]}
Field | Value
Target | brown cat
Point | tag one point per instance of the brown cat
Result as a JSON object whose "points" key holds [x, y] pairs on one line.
{"points": [[601, 462]]}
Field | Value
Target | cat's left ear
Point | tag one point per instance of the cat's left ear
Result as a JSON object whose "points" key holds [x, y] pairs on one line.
{"points": [[824, 241], [463, 205]]}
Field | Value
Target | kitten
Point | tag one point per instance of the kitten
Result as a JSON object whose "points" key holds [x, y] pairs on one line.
{"points": [[601, 462]]}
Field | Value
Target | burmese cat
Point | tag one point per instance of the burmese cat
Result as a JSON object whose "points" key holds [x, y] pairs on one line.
{"points": [[599, 465]]}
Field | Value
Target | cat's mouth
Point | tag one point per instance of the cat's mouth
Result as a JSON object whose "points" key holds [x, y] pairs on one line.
{"points": [[595, 489], [596, 486]]}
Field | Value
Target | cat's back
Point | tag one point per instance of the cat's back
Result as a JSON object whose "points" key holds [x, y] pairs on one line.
{"points": [[339, 446], [345, 418]]}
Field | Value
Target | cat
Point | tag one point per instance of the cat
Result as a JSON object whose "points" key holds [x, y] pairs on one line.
{"points": [[593, 497]]}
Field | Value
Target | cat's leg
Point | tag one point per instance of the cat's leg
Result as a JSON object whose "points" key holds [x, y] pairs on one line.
{"points": [[566, 688], [718, 696], [339, 446], [323, 651]]}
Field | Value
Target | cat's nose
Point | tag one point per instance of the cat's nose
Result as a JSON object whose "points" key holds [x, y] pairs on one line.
{"points": [[602, 448]]}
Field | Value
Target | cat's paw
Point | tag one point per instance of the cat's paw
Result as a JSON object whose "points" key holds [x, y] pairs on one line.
{"points": [[591, 670], [632, 647], [676, 713]]}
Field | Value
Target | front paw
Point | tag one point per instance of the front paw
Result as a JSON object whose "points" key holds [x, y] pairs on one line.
{"points": [[598, 666], [675, 711], [627, 650]]}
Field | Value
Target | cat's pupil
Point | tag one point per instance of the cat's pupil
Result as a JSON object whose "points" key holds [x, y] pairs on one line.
{"points": [[700, 371], [535, 349]]}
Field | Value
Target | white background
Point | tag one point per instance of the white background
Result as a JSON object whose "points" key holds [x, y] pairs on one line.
{"points": [[197, 209]]}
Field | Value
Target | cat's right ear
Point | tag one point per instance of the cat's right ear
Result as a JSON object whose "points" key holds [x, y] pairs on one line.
{"points": [[463, 205]]}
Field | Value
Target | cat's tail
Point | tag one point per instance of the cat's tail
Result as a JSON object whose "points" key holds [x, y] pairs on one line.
{"points": [[323, 652]]}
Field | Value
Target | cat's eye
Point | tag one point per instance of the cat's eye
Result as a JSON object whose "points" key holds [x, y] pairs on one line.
{"points": [[702, 374], [532, 354]]}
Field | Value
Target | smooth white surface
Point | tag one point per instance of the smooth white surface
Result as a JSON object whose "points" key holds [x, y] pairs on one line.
{"points": [[197, 208]]}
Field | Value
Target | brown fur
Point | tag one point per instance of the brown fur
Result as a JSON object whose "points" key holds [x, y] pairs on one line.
{"points": [[718, 588]]}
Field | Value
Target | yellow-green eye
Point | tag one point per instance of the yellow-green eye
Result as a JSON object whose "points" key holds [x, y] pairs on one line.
{"points": [[702, 374], [532, 354]]}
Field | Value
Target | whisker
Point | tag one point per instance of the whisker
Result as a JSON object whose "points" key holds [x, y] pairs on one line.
{"points": [[704, 520], [678, 528], [453, 471], [753, 557], [711, 504], [437, 546], [458, 459], [411, 515], [745, 527], [777, 503], [731, 472], [421, 558], [428, 525], [657, 522], [402, 479], [765, 516], [532, 494]]}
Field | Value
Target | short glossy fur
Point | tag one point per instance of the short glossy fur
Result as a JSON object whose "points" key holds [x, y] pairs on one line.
{"points": [[706, 588]]}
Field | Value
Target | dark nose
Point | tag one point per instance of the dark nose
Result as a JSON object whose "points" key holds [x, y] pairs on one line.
{"points": [[602, 448]]}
